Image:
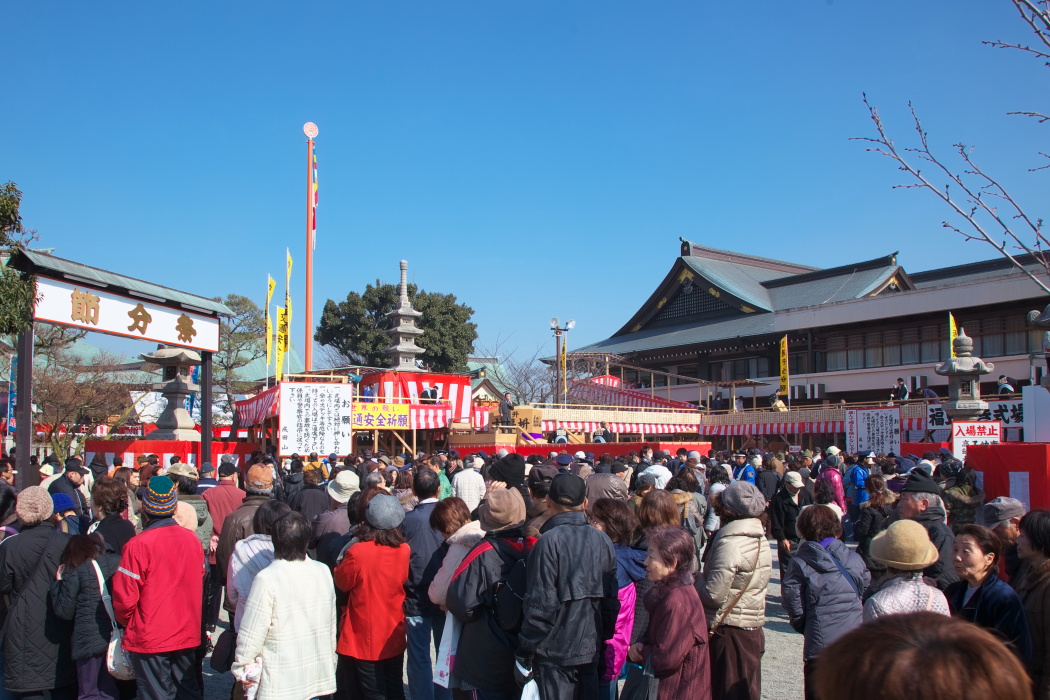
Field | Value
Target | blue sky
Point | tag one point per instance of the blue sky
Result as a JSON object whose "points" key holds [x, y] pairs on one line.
{"points": [[535, 159]]}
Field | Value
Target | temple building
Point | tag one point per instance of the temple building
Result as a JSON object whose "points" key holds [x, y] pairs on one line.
{"points": [[852, 330]]}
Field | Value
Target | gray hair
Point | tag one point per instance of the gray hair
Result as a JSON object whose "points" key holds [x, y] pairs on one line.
{"points": [[373, 479], [933, 498], [253, 491]]}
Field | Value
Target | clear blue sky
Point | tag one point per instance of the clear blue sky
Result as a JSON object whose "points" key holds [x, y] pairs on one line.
{"points": [[536, 159]]}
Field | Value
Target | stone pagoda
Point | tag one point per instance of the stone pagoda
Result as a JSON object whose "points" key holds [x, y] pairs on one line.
{"points": [[964, 372], [403, 330], [175, 422]]}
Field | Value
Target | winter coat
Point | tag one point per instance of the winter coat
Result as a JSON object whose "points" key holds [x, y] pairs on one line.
{"points": [[738, 550], [783, 514], [905, 592], [459, 545], [158, 589], [251, 555], [1034, 592], [606, 486], [855, 487], [712, 522], [115, 531], [424, 542], [469, 485], [942, 570], [38, 644], [630, 569], [962, 503], [200, 519], [485, 657], [235, 528], [833, 475], [819, 600], [676, 642], [77, 597], [870, 523], [330, 525], [997, 608], [311, 501], [570, 601], [659, 472], [293, 484], [293, 634], [63, 485], [767, 482], [692, 514], [374, 577]]}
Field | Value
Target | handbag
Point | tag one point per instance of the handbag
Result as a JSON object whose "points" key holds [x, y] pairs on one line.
{"points": [[641, 682], [118, 663], [223, 652], [446, 653]]}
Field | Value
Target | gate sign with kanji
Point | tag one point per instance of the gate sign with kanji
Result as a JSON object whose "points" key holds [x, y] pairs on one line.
{"points": [[974, 432], [875, 430], [92, 309], [1009, 413], [315, 417], [381, 416]]}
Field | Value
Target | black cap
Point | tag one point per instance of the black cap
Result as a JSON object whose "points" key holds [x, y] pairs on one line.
{"points": [[509, 469], [568, 490], [920, 482], [619, 468], [73, 464], [227, 469]]}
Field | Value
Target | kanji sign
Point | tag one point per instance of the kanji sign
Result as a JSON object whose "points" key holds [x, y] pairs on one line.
{"points": [[380, 416], [974, 432], [875, 430], [1009, 413], [92, 309], [315, 417]]}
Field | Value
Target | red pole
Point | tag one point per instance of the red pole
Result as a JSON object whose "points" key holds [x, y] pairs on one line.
{"points": [[308, 310]]}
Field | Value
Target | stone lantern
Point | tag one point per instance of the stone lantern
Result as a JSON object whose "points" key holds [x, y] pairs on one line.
{"points": [[964, 380], [175, 422], [1041, 321], [403, 330]]}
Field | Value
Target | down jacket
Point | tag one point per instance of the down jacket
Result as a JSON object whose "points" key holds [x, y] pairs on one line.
{"points": [[484, 658], [820, 602], [77, 597], [38, 644], [570, 601], [235, 528], [459, 545], [738, 550]]}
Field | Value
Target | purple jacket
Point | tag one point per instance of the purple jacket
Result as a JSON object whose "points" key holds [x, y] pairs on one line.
{"points": [[831, 474]]}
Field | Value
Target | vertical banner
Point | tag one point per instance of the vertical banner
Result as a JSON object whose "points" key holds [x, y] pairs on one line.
{"points": [[287, 292], [282, 341], [952, 332], [974, 432], [564, 380], [875, 430], [270, 284], [12, 397], [784, 378], [313, 209]]}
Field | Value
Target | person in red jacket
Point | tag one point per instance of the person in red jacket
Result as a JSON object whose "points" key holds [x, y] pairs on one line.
{"points": [[372, 639], [157, 594]]}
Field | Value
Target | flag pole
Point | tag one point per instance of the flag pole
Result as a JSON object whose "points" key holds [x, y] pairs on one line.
{"points": [[310, 129]]}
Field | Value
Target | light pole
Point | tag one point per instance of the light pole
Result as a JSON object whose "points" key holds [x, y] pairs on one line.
{"points": [[559, 331]]}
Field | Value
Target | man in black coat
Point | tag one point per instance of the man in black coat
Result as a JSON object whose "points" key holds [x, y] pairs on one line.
{"points": [[505, 407], [69, 484], [784, 508], [921, 501], [571, 599]]}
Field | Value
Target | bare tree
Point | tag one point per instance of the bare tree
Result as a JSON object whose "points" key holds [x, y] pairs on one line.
{"points": [[986, 210]]}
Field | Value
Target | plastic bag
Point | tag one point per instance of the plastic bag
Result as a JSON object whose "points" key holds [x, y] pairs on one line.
{"points": [[446, 653], [531, 691]]}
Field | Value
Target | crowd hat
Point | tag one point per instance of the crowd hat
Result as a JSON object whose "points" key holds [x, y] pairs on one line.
{"points": [[183, 469], [62, 502], [384, 512], [34, 505], [1000, 510], [259, 476], [227, 469], [920, 482], [744, 499], [564, 460], [207, 468], [568, 490], [345, 485], [833, 450], [502, 509], [73, 464], [159, 498], [904, 546], [794, 479], [510, 470]]}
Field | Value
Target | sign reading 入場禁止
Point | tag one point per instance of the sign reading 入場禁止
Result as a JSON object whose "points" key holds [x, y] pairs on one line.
{"points": [[1009, 413], [119, 314], [315, 417], [875, 430], [974, 432], [381, 416]]}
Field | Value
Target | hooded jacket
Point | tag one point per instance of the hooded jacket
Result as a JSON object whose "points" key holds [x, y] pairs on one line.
{"points": [[941, 570], [820, 601], [570, 601], [459, 545], [739, 560], [630, 569]]}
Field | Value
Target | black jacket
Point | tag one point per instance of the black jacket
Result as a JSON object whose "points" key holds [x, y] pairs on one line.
{"points": [[293, 484], [38, 645], [424, 541], [997, 608], [63, 485], [571, 599], [767, 481], [77, 597], [941, 570], [869, 523], [115, 531], [783, 513], [311, 501], [484, 659]]}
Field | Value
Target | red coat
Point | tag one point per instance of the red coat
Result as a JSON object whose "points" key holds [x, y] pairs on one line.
{"points": [[677, 641], [373, 625], [158, 589]]}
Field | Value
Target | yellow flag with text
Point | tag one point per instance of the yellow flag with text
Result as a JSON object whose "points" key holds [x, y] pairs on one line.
{"points": [[282, 341], [270, 284], [287, 291], [784, 378], [952, 332]]}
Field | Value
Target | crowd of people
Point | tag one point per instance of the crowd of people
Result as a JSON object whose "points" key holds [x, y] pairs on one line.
{"points": [[485, 576]]}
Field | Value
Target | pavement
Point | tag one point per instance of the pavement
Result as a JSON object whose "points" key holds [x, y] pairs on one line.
{"points": [[781, 665]]}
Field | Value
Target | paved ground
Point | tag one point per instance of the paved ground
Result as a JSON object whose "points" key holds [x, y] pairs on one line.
{"points": [[781, 666]]}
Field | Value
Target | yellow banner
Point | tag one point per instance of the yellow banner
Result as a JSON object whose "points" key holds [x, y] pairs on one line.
{"points": [[785, 380], [270, 284], [379, 416], [287, 291], [282, 341], [952, 332]]}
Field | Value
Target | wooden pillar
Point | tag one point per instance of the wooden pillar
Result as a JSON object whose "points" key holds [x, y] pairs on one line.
{"points": [[24, 411], [206, 401]]}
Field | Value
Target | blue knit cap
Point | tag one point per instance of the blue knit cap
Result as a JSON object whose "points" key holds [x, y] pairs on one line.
{"points": [[160, 498]]}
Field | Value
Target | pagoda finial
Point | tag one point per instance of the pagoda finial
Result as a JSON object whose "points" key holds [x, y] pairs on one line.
{"points": [[404, 282]]}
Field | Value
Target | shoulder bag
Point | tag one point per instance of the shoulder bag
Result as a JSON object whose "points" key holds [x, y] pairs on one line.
{"points": [[118, 663]]}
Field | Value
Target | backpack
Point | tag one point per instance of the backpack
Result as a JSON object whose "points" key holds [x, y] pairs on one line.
{"points": [[508, 593]]}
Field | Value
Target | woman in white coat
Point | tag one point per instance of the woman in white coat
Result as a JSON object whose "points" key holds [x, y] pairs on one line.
{"points": [[286, 641]]}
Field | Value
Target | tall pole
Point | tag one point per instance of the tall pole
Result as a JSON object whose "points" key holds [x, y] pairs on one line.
{"points": [[557, 365], [308, 310]]}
